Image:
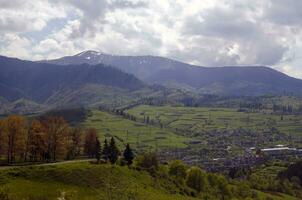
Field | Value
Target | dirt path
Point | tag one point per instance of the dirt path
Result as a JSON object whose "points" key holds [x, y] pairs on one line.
{"points": [[47, 164]]}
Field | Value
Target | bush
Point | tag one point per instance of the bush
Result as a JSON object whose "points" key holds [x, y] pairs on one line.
{"points": [[147, 161], [196, 179], [4, 193], [178, 170]]}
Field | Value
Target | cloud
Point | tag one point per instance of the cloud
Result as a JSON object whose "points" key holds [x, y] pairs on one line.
{"points": [[286, 13], [27, 16], [15, 46], [208, 32]]}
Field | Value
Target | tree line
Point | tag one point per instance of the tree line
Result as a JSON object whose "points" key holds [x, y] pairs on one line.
{"points": [[51, 138], [109, 152]]}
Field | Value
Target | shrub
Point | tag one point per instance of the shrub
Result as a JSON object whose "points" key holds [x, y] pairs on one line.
{"points": [[196, 179], [147, 161]]}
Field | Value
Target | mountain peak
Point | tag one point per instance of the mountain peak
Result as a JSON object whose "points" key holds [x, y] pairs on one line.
{"points": [[89, 53]]}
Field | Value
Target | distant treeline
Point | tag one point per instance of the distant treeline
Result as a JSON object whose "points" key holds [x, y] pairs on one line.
{"points": [[72, 116]]}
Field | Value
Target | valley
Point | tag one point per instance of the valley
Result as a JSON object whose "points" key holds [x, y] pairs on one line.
{"points": [[150, 100], [237, 136]]}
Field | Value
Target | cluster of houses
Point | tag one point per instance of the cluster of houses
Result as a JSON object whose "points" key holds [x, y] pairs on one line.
{"points": [[252, 156]]}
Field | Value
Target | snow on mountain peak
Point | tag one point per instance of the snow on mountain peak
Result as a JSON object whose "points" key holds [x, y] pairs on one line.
{"points": [[89, 53]]}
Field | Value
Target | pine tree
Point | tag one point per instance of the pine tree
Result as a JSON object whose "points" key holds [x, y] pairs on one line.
{"points": [[98, 149], [128, 155], [105, 151], [113, 151]]}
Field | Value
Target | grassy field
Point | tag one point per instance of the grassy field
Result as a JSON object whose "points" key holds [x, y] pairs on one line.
{"points": [[139, 135], [205, 119], [85, 181]]}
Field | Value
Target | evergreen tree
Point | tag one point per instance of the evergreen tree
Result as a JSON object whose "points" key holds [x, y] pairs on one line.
{"points": [[113, 151], [105, 151], [128, 155], [98, 149]]}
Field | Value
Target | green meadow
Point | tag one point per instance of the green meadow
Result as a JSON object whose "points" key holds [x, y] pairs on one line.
{"points": [[137, 134], [207, 119], [85, 181]]}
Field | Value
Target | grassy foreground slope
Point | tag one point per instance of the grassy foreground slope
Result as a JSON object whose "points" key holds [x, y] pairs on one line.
{"points": [[86, 182], [139, 135]]}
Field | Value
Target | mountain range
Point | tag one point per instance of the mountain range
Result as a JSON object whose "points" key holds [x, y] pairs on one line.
{"points": [[93, 78], [228, 80], [57, 85]]}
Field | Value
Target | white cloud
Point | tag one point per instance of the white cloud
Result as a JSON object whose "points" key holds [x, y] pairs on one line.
{"points": [[15, 46], [26, 16], [208, 32]]}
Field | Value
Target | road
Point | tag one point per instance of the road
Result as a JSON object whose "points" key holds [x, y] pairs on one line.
{"points": [[47, 164]]}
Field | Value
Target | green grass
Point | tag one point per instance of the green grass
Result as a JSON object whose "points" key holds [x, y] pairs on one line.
{"points": [[139, 135], [275, 196], [218, 118], [86, 181]]}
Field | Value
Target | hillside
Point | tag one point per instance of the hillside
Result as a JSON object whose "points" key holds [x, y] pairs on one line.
{"points": [[84, 181], [246, 80], [63, 85], [137, 134]]}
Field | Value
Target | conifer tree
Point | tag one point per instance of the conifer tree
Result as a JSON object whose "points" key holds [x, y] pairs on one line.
{"points": [[98, 149], [105, 151], [113, 151], [128, 155]]}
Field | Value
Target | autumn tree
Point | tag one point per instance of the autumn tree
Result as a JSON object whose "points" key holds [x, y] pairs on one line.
{"points": [[90, 142], [56, 133], [3, 138], [36, 141], [74, 143], [128, 155], [15, 127]]}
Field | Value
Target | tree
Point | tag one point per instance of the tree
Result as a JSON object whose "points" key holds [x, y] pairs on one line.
{"points": [[113, 151], [218, 185], [178, 170], [15, 127], [56, 133], [105, 151], [74, 147], [98, 149], [90, 142], [3, 138], [196, 179], [147, 161], [128, 155], [36, 141]]}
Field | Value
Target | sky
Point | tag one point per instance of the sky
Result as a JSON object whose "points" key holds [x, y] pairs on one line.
{"points": [[201, 32]]}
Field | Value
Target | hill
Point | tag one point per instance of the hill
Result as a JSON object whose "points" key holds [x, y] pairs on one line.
{"points": [[87, 182], [84, 181], [57, 85], [246, 80]]}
